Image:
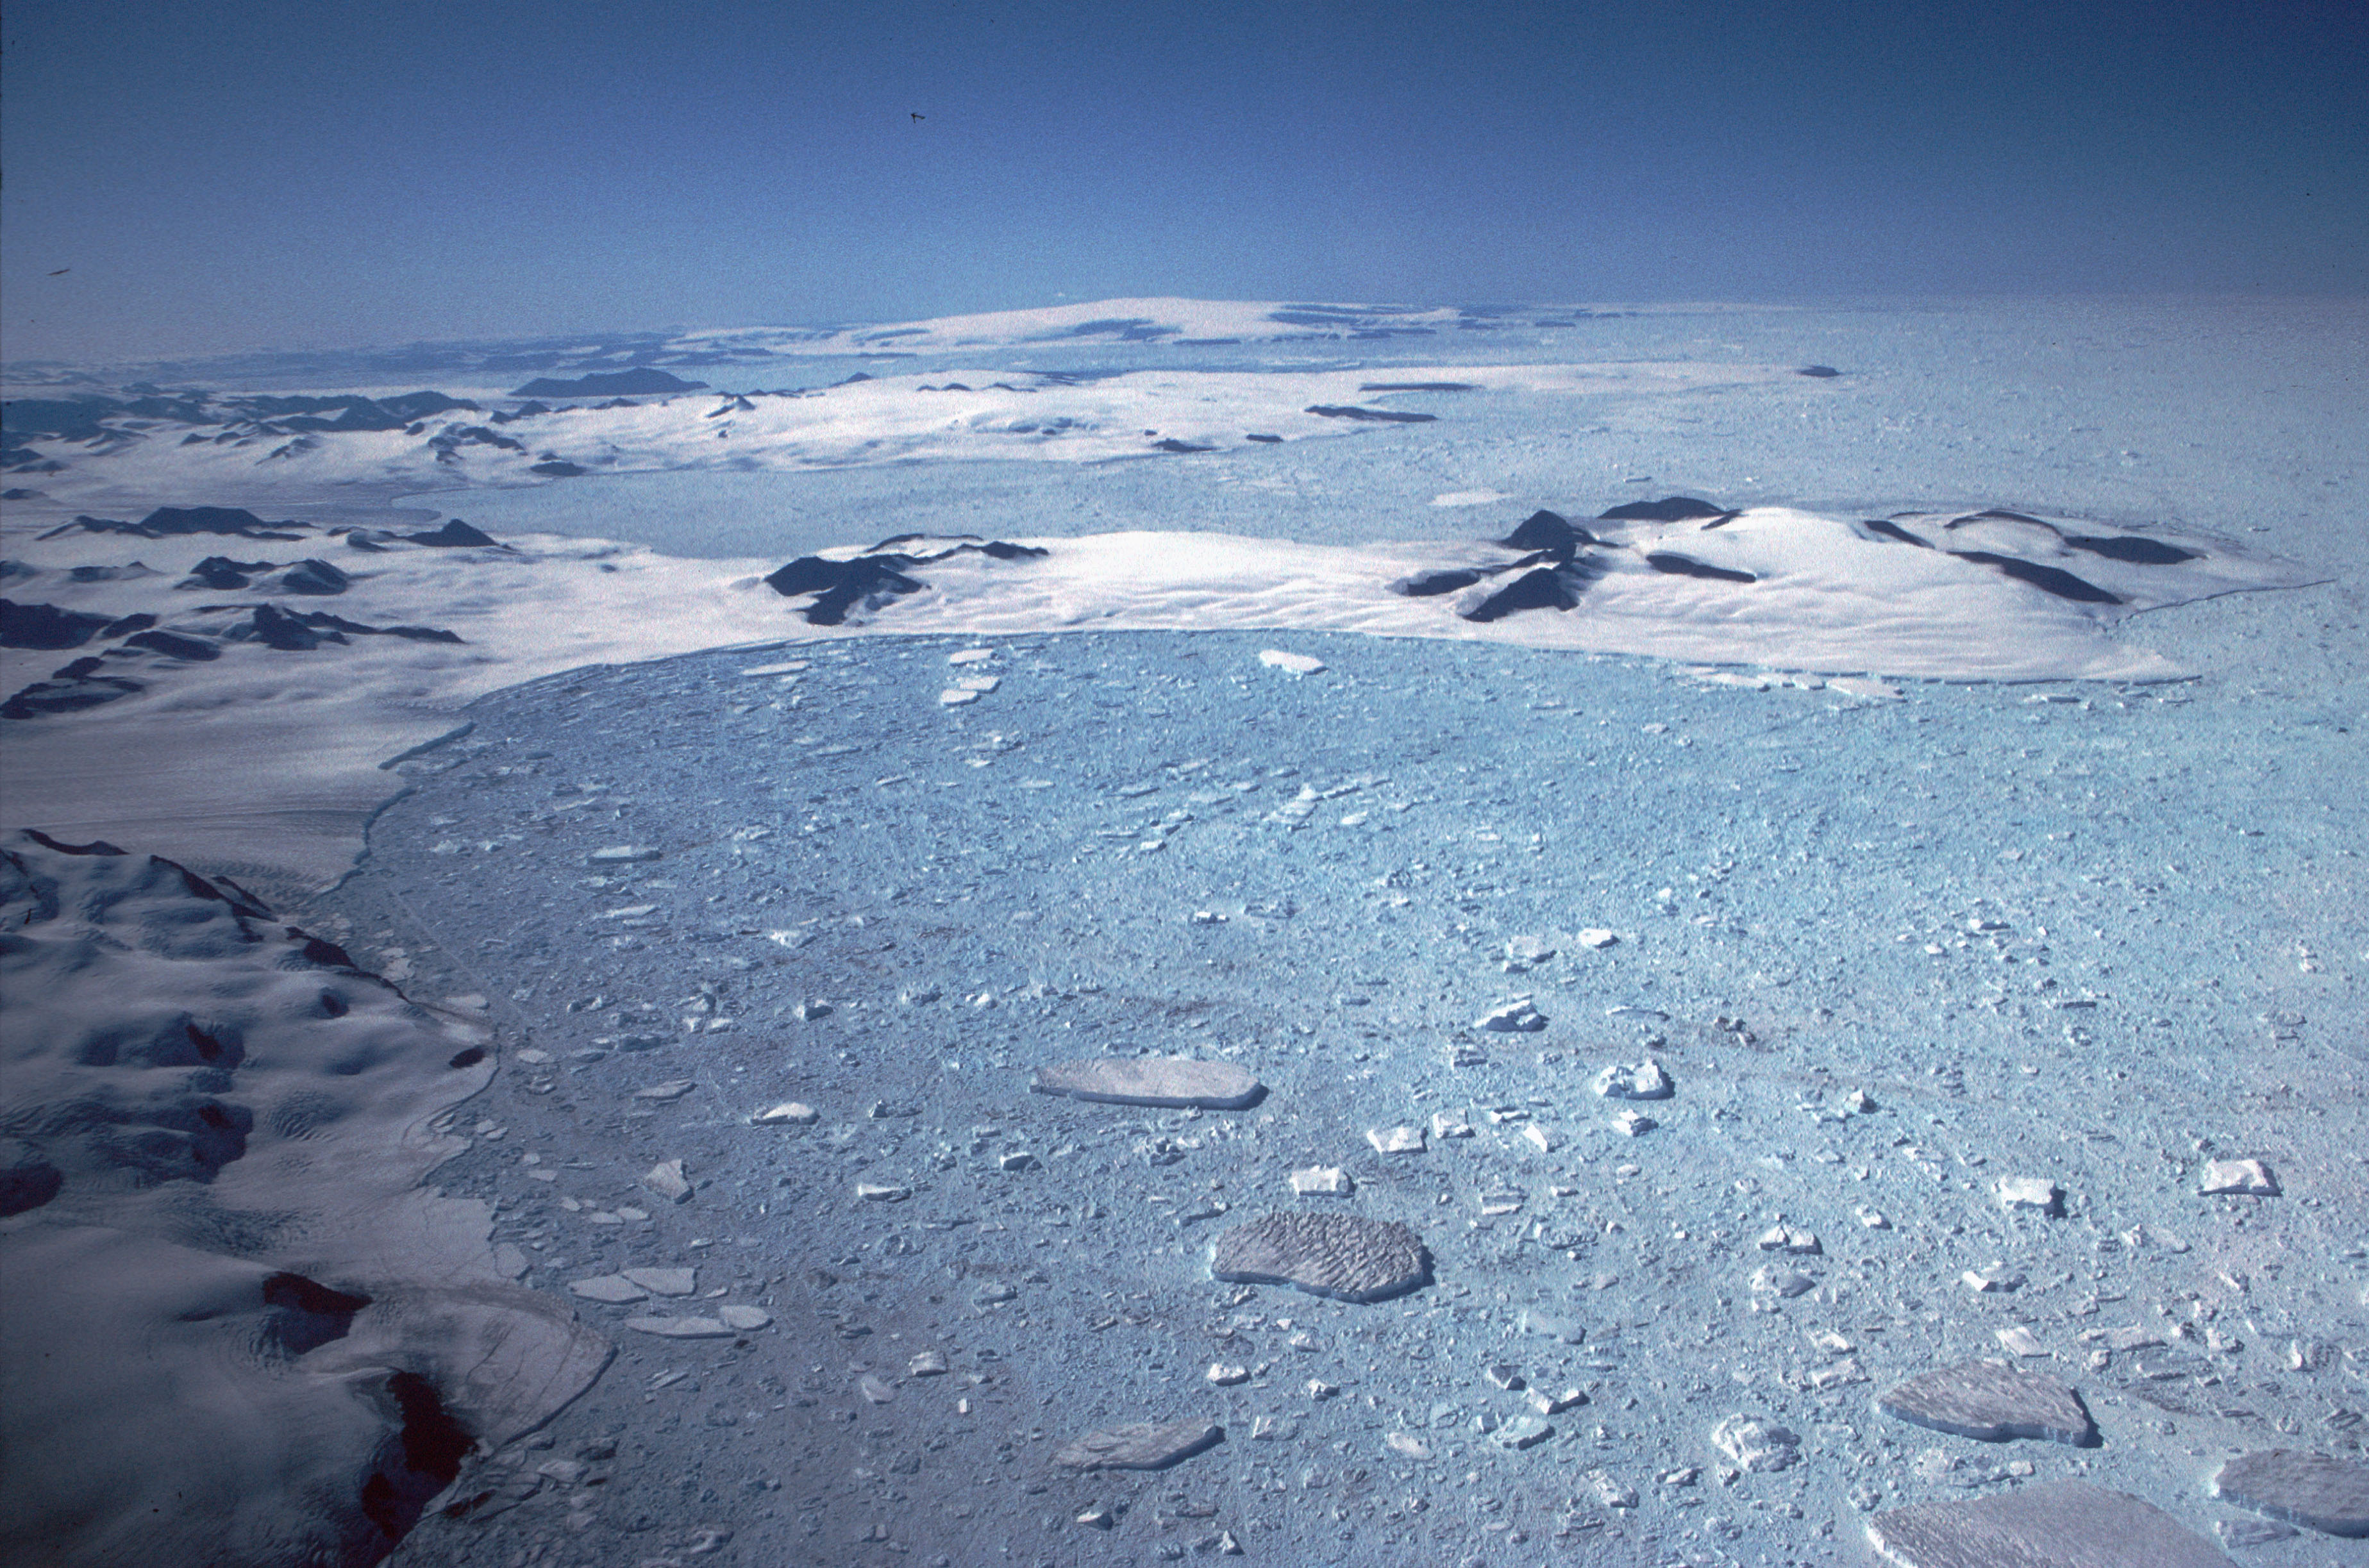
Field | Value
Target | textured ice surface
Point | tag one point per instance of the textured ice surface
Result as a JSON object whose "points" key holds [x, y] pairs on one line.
{"points": [[1991, 1400], [2064, 1524], [2319, 1490], [1341, 1255]]}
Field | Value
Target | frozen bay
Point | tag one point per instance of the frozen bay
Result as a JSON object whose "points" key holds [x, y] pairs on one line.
{"points": [[2105, 932]]}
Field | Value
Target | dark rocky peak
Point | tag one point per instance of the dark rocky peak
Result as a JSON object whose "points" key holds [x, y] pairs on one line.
{"points": [[1543, 529], [1669, 508], [455, 534], [640, 382], [220, 574], [166, 521]]}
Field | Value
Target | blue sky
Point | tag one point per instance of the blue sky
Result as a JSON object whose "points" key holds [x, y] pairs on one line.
{"points": [[222, 177]]}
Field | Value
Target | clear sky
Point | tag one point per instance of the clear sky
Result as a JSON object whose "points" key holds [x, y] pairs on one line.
{"points": [[216, 176]]}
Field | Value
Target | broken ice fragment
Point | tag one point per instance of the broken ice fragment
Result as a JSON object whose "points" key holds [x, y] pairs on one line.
{"points": [[1292, 663], [2243, 1178], [2064, 1524], [1522, 1432], [1634, 1081], [1328, 1181], [2034, 1193], [2317, 1491], [1570, 1330], [1142, 1446], [1396, 1140], [1770, 1279], [613, 1288], [1407, 1443], [1519, 1015], [666, 1179], [664, 1281], [789, 1113], [1786, 1239], [1151, 1080], [1450, 1124], [1991, 1402], [680, 1328], [1755, 1445]]}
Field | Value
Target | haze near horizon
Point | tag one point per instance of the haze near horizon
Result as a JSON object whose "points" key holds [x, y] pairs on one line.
{"points": [[195, 179]]}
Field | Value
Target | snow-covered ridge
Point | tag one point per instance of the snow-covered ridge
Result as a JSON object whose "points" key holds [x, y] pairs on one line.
{"points": [[1122, 322], [94, 452], [217, 1127], [235, 708]]}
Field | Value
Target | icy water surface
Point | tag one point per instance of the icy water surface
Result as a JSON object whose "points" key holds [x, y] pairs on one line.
{"points": [[1889, 953]]}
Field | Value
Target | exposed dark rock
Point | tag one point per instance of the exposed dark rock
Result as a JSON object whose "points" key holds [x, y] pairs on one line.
{"points": [[274, 627], [559, 468], [314, 577], [302, 631], [169, 520], [2048, 580], [1173, 444], [78, 686], [27, 1181], [1419, 386], [1268, 440], [173, 644], [1544, 587], [1822, 372], [223, 575], [138, 621], [1893, 530], [642, 382], [453, 533], [1552, 532], [1429, 585], [446, 444], [1669, 508], [1687, 565], [2131, 548], [839, 586], [46, 625], [1379, 415], [96, 846], [876, 578], [130, 571]]}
